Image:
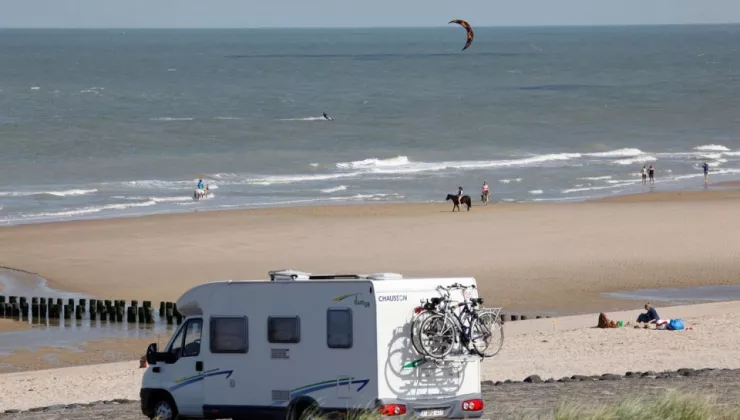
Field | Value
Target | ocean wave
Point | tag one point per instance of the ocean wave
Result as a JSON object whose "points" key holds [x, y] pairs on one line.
{"points": [[604, 187], [334, 189], [627, 152], [64, 193], [88, 210], [228, 118], [290, 179], [731, 153], [712, 147], [634, 160], [415, 167], [596, 178], [536, 192], [172, 119], [507, 181], [374, 163], [304, 119]]}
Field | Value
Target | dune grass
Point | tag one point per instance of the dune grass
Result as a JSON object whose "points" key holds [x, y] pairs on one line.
{"points": [[670, 406]]}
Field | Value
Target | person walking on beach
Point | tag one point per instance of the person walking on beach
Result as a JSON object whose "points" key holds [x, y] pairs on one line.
{"points": [[706, 172], [644, 174], [651, 174], [484, 193]]}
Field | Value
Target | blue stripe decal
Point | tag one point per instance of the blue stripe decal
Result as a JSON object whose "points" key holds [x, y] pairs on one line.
{"points": [[201, 377], [363, 383]]}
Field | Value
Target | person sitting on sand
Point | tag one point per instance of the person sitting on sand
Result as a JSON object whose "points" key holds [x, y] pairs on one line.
{"points": [[649, 317], [605, 322]]}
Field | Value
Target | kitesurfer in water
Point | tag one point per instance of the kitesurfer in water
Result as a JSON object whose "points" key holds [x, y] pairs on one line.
{"points": [[327, 117]]}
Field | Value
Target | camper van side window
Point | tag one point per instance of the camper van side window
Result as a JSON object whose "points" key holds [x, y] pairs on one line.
{"points": [[229, 335], [339, 328], [283, 329]]}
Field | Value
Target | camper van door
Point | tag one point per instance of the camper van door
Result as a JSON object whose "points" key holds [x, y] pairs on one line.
{"points": [[185, 375]]}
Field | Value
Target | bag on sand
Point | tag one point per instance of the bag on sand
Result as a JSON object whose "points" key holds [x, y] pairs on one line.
{"points": [[675, 324]]}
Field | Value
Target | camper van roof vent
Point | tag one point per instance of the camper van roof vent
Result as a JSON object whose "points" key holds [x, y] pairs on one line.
{"points": [[384, 276], [288, 275]]}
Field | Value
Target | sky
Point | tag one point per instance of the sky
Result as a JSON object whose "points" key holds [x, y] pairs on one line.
{"points": [[355, 13]]}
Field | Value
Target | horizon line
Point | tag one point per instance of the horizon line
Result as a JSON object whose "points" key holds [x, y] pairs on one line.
{"points": [[596, 25]]}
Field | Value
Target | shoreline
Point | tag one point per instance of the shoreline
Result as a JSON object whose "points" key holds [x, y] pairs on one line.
{"points": [[722, 187], [539, 259]]}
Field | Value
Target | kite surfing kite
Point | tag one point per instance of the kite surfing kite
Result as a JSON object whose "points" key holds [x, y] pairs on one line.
{"points": [[469, 30]]}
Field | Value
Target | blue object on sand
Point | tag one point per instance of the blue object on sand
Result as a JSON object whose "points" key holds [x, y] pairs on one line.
{"points": [[675, 324]]}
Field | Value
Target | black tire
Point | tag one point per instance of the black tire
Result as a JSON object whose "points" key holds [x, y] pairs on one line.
{"points": [[305, 410], [416, 331], [441, 330], [164, 408]]}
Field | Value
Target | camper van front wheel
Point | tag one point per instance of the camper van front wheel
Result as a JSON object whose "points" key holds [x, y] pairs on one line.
{"points": [[164, 409]]}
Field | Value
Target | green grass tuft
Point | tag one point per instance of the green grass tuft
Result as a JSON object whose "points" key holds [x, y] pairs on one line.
{"points": [[671, 406]]}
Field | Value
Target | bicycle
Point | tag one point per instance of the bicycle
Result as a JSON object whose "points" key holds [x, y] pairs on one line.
{"points": [[421, 313], [441, 332]]}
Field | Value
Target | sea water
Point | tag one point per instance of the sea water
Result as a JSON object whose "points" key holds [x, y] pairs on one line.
{"points": [[109, 123]]}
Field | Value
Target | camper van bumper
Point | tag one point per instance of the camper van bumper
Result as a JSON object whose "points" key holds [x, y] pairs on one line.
{"points": [[451, 408]]}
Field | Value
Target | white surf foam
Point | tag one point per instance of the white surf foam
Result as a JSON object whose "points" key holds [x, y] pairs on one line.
{"points": [[536, 192], [172, 119], [731, 153], [604, 187], [596, 178], [64, 193], [228, 118], [304, 119], [628, 152], [712, 147], [335, 189], [374, 163], [415, 167], [634, 160], [88, 210], [290, 179]]}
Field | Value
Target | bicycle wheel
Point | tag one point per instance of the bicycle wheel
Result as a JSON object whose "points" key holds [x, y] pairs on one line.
{"points": [[416, 330], [438, 334], [487, 335]]}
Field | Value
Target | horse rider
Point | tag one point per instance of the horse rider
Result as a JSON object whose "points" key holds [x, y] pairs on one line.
{"points": [[484, 191], [459, 194], [200, 184]]}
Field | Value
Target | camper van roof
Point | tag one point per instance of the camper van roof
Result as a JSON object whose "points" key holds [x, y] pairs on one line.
{"points": [[292, 275]]}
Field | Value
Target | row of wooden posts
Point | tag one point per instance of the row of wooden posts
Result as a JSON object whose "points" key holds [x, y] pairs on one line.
{"points": [[111, 310], [509, 317]]}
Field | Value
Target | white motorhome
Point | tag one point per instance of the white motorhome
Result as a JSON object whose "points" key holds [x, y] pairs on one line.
{"points": [[301, 343]]}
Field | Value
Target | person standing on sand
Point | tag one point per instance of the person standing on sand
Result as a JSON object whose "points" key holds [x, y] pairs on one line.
{"points": [[651, 174], [706, 172], [644, 174], [484, 193]]}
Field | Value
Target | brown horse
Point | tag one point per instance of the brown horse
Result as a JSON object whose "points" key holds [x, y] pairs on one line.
{"points": [[463, 200]]}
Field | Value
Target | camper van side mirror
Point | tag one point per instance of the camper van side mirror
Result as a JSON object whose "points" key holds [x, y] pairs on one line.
{"points": [[151, 354]]}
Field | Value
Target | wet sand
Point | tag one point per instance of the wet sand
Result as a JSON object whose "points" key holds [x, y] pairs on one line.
{"points": [[536, 258], [91, 353], [7, 325]]}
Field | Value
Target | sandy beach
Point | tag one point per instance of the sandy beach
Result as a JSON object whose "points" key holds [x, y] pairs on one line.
{"points": [[550, 348], [546, 258]]}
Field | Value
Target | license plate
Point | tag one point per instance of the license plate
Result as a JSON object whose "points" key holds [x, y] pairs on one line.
{"points": [[431, 413]]}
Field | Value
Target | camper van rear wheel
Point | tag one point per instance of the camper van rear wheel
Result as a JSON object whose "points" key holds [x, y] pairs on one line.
{"points": [[305, 410], [164, 409]]}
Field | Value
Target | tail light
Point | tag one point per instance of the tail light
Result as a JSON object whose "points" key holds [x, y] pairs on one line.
{"points": [[418, 310], [392, 410], [472, 405]]}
